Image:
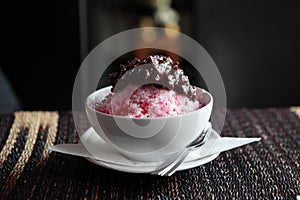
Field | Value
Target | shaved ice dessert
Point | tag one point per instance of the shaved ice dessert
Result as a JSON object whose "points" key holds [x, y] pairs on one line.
{"points": [[167, 91]]}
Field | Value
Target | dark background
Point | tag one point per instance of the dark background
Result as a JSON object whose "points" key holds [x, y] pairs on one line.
{"points": [[255, 44]]}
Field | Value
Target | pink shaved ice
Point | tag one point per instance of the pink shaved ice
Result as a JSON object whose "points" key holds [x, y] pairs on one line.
{"points": [[147, 102]]}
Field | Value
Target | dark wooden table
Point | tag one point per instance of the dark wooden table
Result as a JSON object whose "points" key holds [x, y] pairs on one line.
{"points": [[268, 169]]}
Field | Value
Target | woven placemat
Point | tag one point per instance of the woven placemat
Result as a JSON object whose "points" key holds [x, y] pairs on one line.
{"points": [[268, 169]]}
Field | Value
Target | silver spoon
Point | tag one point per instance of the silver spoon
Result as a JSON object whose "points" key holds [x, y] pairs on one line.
{"points": [[168, 167]]}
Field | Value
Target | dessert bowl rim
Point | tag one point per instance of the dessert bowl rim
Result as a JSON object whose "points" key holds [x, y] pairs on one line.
{"points": [[88, 106]]}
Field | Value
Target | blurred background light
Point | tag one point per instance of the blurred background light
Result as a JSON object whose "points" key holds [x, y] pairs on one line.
{"points": [[255, 44]]}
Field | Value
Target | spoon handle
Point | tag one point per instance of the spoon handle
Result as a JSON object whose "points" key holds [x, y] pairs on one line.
{"points": [[172, 164]]}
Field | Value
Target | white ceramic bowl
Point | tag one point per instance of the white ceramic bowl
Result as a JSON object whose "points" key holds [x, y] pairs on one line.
{"points": [[148, 139]]}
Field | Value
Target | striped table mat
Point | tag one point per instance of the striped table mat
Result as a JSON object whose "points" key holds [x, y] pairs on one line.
{"points": [[268, 169]]}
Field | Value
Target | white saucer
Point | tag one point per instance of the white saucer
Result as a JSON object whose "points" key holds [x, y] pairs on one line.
{"points": [[124, 164]]}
